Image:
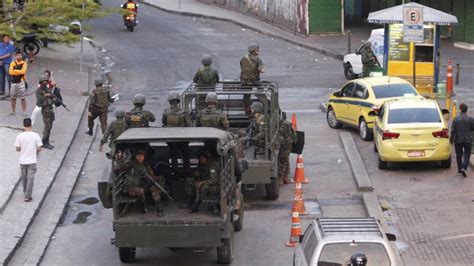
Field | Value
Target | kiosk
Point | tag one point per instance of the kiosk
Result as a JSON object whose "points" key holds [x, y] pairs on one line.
{"points": [[416, 62]]}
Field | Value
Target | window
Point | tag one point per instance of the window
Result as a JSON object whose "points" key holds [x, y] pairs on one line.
{"points": [[340, 254], [360, 92], [393, 90], [381, 112], [309, 243], [414, 115], [348, 90]]}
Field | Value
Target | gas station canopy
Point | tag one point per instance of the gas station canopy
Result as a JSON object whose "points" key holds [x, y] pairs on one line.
{"points": [[394, 15]]}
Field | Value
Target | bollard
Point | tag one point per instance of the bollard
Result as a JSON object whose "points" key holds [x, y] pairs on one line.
{"points": [[448, 103], [454, 109], [349, 41], [458, 73], [449, 79]]}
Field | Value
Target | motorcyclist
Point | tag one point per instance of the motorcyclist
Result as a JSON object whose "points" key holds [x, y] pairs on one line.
{"points": [[131, 7]]}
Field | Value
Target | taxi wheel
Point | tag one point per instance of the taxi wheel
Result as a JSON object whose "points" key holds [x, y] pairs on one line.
{"points": [[332, 119], [364, 130], [446, 163], [382, 164]]}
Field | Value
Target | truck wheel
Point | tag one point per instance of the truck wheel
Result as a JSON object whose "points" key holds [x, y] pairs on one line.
{"points": [[273, 189], [239, 223], [127, 255], [225, 252], [349, 72]]}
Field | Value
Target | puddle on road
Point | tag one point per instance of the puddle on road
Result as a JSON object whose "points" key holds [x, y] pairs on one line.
{"points": [[81, 217], [89, 201]]}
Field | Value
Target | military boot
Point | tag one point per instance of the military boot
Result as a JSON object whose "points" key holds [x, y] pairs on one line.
{"points": [[89, 132], [195, 207], [47, 145], [159, 209]]}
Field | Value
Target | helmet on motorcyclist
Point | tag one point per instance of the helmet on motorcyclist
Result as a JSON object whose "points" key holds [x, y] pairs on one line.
{"points": [[139, 100], [211, 98], [206, 60]]}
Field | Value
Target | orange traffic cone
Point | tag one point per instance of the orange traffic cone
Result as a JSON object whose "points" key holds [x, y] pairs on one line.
{"points": [[298, 201], [295, 230], [299, 171], [293, 122], [449, 80]]}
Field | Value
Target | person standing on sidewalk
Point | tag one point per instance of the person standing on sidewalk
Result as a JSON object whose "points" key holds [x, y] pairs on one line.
{"points": [[288, 138], [18, 82], [45, 100], [28, 144], [99, 102], [461, 129], [52, 87], [6, 54]]}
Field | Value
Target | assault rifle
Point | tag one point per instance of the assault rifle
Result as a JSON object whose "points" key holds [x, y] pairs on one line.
{"points": [[150, 178]]}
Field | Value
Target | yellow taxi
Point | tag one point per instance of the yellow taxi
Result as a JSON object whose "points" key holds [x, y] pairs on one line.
{"points": [[351, 104], [411, 130]]}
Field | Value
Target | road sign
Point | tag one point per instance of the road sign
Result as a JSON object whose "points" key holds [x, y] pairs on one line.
{"points": [[413, 24]]}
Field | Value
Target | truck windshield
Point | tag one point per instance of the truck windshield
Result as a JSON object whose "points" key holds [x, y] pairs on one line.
{"points": [[414, 115], [340, 254], [393, 90]]}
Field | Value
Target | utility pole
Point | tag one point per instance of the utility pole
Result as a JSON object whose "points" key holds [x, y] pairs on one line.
{"points": [[82, 39]]}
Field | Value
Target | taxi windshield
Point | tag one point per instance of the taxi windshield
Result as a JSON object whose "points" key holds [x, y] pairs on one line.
{"points": [[413, 115], [340, 254], [393, 90]]}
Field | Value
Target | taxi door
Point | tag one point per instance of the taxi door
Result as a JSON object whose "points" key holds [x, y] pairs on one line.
{"points": [[357, 104], [378, 127], [341, 103]]}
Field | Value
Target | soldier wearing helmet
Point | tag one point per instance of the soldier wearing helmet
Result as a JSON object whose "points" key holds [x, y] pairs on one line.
{"points": [[210, 116], [138, 117], [251, 66], [258, 128], [45, 100], [358, 259], [114, 130], [174, 116], [205, 78], [99, 102], [368, 59]]}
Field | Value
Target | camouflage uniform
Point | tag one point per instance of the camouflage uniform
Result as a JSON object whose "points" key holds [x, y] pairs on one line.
{"points": [[250, 67], [137, 117], [137, 185], [209, 175], [99, 102], [114, 130], [205, 78], [287, 138], [175, 117], [211, 117], [46, 104], [368, 60]]}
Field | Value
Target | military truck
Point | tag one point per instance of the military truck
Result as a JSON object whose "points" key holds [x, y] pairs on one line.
{"points": [[235, 100], [177, 228]]}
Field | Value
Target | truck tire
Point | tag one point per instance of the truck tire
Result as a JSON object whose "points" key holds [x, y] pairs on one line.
{"points": [[349, 72], [225, 252], [239, 223], [273, 189], [127, 255]]}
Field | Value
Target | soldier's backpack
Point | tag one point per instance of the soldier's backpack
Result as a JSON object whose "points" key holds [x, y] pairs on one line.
{"points": [[207, 119], [207, 76], [249, 69], [102, 97], [136, 119]]}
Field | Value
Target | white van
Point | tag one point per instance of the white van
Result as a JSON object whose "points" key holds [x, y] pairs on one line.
{"points": [[352, 62]]}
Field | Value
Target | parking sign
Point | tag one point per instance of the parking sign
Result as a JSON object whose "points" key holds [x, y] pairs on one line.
{"points": [[413, 24]]}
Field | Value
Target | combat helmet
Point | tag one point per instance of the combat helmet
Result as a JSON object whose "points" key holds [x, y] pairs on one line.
{"points": [[206, 59], [257, 107], [43, 78], [139, 99], [119, 113], [358, 259], [173, 96], [253, 47], [211, 98], [98, 82]]}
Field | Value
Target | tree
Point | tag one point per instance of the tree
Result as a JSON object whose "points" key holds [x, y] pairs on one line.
{"points": [[20, 17]]}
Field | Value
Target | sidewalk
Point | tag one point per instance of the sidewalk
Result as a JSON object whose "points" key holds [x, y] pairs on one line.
{"points": [[15, 214], [335, 46]]}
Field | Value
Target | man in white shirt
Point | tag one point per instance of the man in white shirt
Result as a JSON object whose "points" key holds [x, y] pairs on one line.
{"points": [[28, 144]]}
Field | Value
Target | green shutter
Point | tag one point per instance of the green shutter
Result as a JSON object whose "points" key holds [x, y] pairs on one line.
{"points": [[469, 22], [459, 12], [324, 16]]}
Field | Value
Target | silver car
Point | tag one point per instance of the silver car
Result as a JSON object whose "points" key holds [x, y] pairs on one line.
{"points": [[335, 241]]}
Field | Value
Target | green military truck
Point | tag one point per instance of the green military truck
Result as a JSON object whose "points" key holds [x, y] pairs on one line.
{"points": [[211, 227], [234, 100]]}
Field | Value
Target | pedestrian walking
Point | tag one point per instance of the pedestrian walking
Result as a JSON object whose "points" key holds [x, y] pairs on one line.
{"points": [[52, 88], [461, 129], [18, 82], [6, 54], [28, 144], [45, 100], [99, 102]]}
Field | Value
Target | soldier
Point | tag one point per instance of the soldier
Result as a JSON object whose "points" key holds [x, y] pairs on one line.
{"points": [[251, 66], [45, 100], [205, 182], [205, 78], [210, 116], [176, 117], [99, 102], [260, 124], [114, 130], [137, 184], [368, 59], [287, 138], [137, 117]]}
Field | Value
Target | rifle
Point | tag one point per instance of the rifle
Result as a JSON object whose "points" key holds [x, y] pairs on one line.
{"points": [[150, 178], [56, 99], [376, 59], [249, 134]]}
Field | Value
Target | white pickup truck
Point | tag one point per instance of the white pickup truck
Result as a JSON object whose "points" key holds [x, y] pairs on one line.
{"points": [[352, 62]]}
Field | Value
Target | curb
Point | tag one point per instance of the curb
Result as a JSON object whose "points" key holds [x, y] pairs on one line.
{"points": [[357, 165], [309, 47]]}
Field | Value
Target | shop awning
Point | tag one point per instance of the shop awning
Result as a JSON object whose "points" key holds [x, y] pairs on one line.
{"points": [[394, 15]]}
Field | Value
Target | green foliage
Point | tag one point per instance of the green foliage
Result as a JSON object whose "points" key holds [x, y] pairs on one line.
{"points": [[38, 16]]}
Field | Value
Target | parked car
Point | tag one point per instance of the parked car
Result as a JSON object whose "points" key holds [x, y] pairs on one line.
{"points": [[353, 102], [333, 241], [411, 130]]}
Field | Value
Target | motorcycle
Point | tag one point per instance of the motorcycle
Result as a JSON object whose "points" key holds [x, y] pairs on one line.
{"points": [[31, 44], [130, 21]]}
